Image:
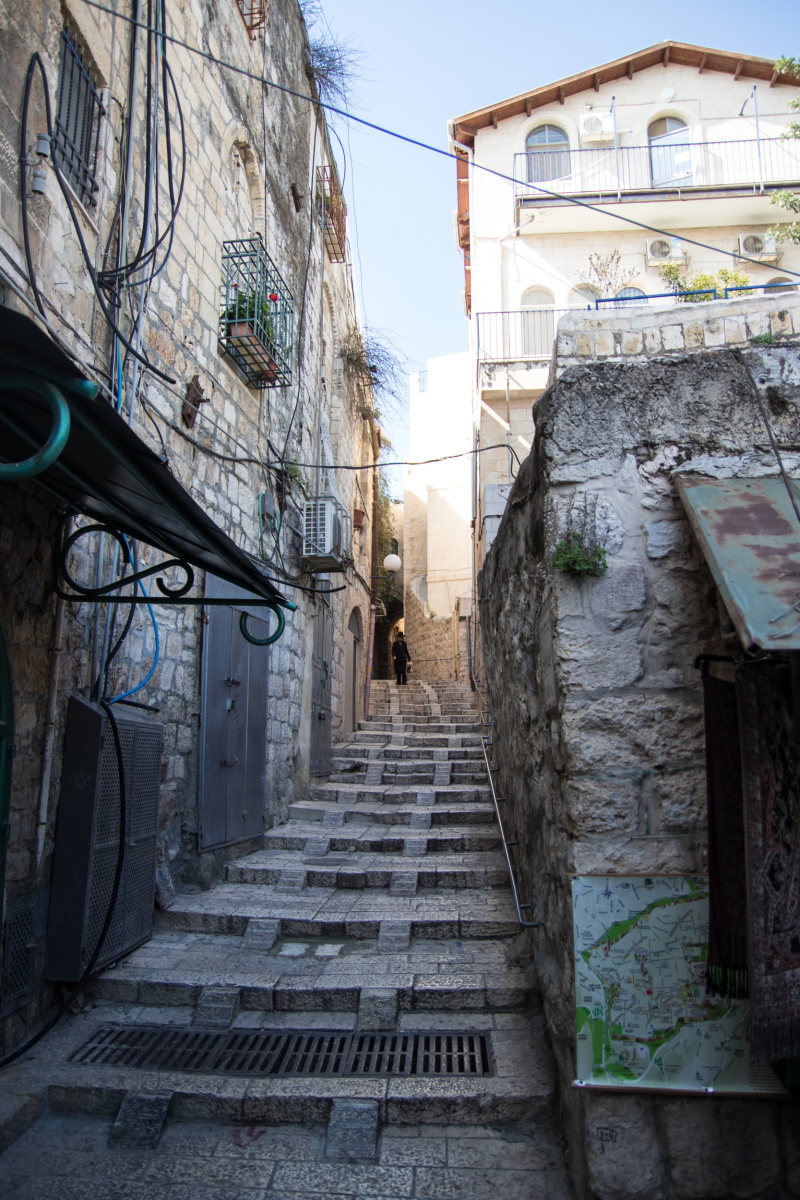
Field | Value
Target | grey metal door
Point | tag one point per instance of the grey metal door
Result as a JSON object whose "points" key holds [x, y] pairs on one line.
{"points": [[235, 685], [321, 689]]}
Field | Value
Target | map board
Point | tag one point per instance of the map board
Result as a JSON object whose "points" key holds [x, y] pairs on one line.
{"points": [[643, 1018]]}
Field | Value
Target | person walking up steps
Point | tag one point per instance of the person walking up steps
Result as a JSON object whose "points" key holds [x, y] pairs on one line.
{"points": [[401, 657]]}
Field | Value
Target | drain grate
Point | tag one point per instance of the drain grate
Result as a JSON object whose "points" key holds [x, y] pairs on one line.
{"points": [[287, 1052]]}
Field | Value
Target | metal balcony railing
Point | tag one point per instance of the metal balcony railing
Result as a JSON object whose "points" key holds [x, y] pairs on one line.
{"points": [[518, 336], [329, 195], [256, 325], [609, 172]]}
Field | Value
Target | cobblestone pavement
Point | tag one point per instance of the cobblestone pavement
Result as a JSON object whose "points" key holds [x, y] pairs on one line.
{"points": [[69, 1158]]}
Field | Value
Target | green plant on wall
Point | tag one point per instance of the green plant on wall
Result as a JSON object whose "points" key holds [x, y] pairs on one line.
{"points": [[580, 551], [707, 285], [786, 199]]}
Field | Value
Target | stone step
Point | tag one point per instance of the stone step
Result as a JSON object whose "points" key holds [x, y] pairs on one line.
{"points": [[313, 975], [404, 740], [332, 812], [430, 728], [390, 753], [355, 793], [441, 840], [337, 914], [523, 1086], [365, 870]]}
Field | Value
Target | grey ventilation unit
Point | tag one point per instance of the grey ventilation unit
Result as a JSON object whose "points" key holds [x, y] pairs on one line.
{"points": [[87, 840]]}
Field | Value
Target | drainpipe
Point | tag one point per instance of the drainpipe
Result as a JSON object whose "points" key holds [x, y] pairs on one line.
{"points": [[50, 720], [758, 140]]}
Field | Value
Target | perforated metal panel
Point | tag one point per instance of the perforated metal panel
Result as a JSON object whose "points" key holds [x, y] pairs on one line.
{"points": [[19, 952], [87, 840]]}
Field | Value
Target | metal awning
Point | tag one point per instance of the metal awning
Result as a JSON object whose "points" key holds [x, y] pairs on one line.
{"points": [[750, 536], [101, 468]]}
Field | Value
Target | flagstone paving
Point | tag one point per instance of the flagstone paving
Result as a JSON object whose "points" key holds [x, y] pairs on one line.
{"points": [[381, 905]]}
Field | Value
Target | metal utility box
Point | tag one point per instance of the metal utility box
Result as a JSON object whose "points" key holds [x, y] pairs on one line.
{"points": [[87, 839]]}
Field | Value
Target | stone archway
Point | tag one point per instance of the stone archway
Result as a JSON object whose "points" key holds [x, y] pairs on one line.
{"points": [[353, 665]]}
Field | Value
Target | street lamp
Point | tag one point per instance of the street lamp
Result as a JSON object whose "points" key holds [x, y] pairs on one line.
{"points": [[392, 563]]}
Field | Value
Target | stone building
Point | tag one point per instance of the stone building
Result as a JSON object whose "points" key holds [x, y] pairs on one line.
{"points": [[438, 514], [577, 193], [598, 728], [179, 327]]}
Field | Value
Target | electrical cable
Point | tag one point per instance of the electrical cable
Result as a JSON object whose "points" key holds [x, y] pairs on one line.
{"points": [[37, 62], [401, 137]]}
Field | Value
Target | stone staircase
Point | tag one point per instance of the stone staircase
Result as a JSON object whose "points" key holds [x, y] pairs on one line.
{"points": [[381, 906]]}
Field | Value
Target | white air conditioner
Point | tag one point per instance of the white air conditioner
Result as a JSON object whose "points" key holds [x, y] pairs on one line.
{"points": [[661, 250], [759, 245], [596, 126], [327, 535]]}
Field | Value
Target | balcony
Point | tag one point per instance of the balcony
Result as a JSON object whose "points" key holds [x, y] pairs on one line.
{"points": [[330, 199], [513, 337], [257, 318], [675, 170]]}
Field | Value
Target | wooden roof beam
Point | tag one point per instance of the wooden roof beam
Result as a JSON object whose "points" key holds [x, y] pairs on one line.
{"points": [[739, 69], [561, 95], [665, 59], [703, 62], [596, 82], [630, 68]]}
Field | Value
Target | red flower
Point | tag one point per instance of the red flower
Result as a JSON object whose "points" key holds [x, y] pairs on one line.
{"points": [[273, 295]]}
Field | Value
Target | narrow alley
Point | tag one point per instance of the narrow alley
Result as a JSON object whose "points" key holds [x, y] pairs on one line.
{"points": [[350, 1013]]}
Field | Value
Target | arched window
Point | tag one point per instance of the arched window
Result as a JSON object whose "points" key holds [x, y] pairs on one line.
{"points": [[670, 152], [781, 285], [538, 323], [582, 296], [627, 296], [547, 153]]}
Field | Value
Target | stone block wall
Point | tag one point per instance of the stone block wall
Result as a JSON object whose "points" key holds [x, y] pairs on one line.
{"points": [[433, 642], [251, 159], [597, 707]]}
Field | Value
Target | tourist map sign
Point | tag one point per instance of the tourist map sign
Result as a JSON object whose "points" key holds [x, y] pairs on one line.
{"points": [[643, 1017]]}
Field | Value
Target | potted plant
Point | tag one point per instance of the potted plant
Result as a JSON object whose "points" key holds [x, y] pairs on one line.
{"points": [[250, 330]]}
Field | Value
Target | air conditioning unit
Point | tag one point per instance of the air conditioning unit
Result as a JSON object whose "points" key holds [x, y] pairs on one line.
{"points": [[661, 250], [596, 126], [759, 245], [327, 535]]}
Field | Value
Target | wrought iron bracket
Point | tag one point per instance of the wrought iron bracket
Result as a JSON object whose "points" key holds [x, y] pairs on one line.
{"points": [[68, 588]]}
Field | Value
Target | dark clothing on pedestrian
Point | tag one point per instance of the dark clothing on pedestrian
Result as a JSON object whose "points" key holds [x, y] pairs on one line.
{"points": [[401, 657]]}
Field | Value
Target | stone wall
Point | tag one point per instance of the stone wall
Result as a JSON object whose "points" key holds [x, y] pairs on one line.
{"points": [[433, 642], [596, 704], [251, 161]]}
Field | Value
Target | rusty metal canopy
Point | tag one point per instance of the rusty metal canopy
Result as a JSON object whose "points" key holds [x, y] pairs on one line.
{"points": [[750, 536]]}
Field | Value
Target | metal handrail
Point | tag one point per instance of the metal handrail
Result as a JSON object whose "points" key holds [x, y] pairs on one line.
{"points": [[506, 843]]}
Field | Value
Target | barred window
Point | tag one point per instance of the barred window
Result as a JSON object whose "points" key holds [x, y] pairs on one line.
{"points": [[78, 113]]}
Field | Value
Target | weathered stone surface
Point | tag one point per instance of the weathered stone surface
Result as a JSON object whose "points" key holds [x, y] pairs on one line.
{"points": [[603, 806], [739, 1148], [638, 733], [140, 1119], [352, 1131], [622, 1149], [590, 661], [623, 590]]}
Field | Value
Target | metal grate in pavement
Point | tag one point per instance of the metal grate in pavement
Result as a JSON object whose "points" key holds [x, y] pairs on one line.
{"points": [[287, 1052]]}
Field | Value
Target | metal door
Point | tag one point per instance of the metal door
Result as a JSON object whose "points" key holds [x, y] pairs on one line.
{"points": [[321, 689], [235, 685]]}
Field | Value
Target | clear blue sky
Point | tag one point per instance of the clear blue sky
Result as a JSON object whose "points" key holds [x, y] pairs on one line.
{"points": [[426, 61]]}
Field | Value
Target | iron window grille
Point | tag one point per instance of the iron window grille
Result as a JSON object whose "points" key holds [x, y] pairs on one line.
{"points": [[253, 13], [78, 114], [329, 195], [256, 326]]}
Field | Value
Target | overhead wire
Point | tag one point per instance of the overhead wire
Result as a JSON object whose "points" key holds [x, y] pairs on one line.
{"points": [[427, 146]]}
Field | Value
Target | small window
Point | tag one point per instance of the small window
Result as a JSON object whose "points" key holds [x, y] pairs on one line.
{"points": [[628, 295], [78, 113], [670, 152], [547, 154]]}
